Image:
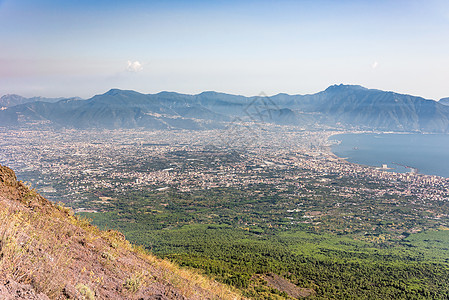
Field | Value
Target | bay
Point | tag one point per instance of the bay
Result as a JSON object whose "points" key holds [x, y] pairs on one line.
{"points": [[423, 153]]}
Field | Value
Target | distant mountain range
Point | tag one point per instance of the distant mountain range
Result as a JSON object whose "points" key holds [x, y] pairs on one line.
{"points": [[12, 100], [339, 106]]}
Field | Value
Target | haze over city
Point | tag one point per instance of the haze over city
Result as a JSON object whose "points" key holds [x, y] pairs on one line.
{"points": [[82, 48]]}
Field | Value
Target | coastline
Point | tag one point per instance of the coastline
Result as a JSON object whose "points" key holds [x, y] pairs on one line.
{"points": [[416, 160]]}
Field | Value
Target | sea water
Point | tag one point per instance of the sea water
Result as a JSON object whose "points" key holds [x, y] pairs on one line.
{"points": [[422, 153]]}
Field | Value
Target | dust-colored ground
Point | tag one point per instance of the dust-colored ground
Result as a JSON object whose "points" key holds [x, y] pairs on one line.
{"points": [[47, 252], [283, 285], [11, 290]]}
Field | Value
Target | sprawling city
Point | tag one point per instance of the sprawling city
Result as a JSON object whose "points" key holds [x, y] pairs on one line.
{"points": [[173, 191]]}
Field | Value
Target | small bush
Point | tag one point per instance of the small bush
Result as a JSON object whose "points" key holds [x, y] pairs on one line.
{"points": [[85, 291], [132, 284], [29, 196], [67, 210], [108, 256]]}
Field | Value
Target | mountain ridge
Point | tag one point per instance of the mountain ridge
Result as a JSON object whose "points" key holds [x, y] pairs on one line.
{"points": [[338, 106], [9, 100]]}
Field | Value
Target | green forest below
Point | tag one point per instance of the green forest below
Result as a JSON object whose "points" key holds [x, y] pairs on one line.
{"points": [[237, 235]]}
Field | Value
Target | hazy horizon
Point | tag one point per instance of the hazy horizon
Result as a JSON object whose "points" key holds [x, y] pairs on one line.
{"points": [[83, 48]]}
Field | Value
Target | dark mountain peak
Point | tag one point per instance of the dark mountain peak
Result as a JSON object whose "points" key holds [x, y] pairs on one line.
{"points": [[119, 94], [344, 87], [212, 96], [213, 93], [114, 95], [169, 94], [281, 95], [12, 96], [113, 92], [11, 100]]}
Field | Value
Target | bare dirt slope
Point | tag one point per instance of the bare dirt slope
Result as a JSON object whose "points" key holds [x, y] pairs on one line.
{"points": [[48, 253], [282, 284]]}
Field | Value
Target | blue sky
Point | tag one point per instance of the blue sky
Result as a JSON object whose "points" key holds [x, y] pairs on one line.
{"points": [[82, 48]]}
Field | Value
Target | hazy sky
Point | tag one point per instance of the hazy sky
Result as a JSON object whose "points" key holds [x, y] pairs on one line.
{"points": [[82, 48]]}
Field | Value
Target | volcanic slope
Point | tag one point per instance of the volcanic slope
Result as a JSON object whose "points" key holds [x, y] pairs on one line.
{"points": [[48, 253]]}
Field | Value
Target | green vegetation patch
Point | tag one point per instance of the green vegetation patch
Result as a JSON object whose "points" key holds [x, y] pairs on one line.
{"points": [[237, 236]]}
